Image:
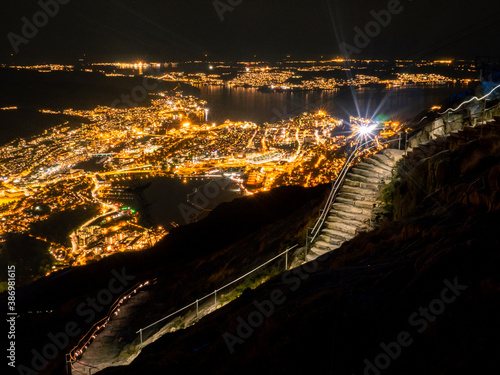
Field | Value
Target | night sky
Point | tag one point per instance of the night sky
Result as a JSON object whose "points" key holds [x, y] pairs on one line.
{"points": [[172, 30]]}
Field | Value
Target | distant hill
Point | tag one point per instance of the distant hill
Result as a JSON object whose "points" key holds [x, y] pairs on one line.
{"points": [[63, 89], [30, 90], [24, 123]]}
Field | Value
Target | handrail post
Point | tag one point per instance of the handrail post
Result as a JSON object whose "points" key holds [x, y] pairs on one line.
{"points": [[140, 335], [307, 240], [484, 112], [215, 298], [286, 261], [197, 310], [68, 364]]}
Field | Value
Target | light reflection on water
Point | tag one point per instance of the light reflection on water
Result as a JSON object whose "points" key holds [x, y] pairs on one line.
{"points": [[249, 104]]}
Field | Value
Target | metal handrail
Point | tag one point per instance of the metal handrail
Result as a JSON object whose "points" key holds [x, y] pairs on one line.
{"points": [[219, 289], [85, 339], [445, 123], [337, 184]]}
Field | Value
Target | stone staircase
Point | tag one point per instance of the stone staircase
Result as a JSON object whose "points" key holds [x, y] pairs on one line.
{"points": [[353, 208], [452, 141]]}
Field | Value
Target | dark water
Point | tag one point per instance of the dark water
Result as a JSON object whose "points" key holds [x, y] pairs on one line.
{"points": [[90, 165], [248, 104], [168, 199]]}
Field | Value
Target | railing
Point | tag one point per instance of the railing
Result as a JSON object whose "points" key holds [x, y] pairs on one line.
{"points": [[337, 184], [198, 313], [86, 339], [70, 362], [196, 305], [445, 116]]}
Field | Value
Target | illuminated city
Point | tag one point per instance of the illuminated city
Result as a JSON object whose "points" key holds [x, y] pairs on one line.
{"points": [[249, 187], [170, 138]]}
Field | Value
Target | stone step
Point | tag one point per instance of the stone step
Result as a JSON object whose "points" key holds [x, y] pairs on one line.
{"points": [[372, 167], [354, 223], [393, 154], [361, 218], [355, 202], [345, 200], [383, 160], [350, 209], [357, 197], [367, 173], [347, 208], [332, 233], [363, 185], [332, 240], [311, 256], [357, 177], [315, 253], [357, 190], [337, 219], [342, 227], [325, 245], [378, 164], [364, 204], [365, 228]]}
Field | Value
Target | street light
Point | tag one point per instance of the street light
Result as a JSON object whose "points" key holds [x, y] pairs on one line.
{"points": [[362, 128], [366, 130]]}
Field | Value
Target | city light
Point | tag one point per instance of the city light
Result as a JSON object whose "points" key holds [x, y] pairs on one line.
{"points": [[167, 139], [366, 130], [363, 128]]}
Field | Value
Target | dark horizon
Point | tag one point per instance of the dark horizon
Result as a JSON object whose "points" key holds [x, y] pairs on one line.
{"points": [[218, 31]]}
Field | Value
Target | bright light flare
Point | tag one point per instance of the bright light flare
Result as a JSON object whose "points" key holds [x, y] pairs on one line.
{"points": [[366, 130], [362, 128]]}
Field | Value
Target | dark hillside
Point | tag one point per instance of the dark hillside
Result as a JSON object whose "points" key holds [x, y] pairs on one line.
{"points": [[428, 279]]}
